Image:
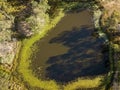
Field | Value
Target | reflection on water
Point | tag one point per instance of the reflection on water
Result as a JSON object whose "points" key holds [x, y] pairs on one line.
{"points": [[69, 51]]}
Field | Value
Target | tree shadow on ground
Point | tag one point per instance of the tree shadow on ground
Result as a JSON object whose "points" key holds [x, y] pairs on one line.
{"points": [[84, 57]]}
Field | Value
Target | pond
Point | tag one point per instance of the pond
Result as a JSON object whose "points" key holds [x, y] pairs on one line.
{"points": [[69, 50]]}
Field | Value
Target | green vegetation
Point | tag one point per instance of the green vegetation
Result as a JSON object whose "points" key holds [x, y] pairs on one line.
{"points": [[24, 59], [38, 17], [25, 62], [109, 22], [42, 19], [110, 75], [9, 8], [84, 83]]}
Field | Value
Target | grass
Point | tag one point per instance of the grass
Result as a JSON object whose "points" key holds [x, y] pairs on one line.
{"points": [[24, 62], [84, 83]]}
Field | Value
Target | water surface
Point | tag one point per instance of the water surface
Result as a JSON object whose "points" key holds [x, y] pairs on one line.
{"points": [[69, 50]]}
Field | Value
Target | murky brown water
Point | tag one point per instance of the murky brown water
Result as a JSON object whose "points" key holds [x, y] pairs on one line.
{"points": [[69, 50]]}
